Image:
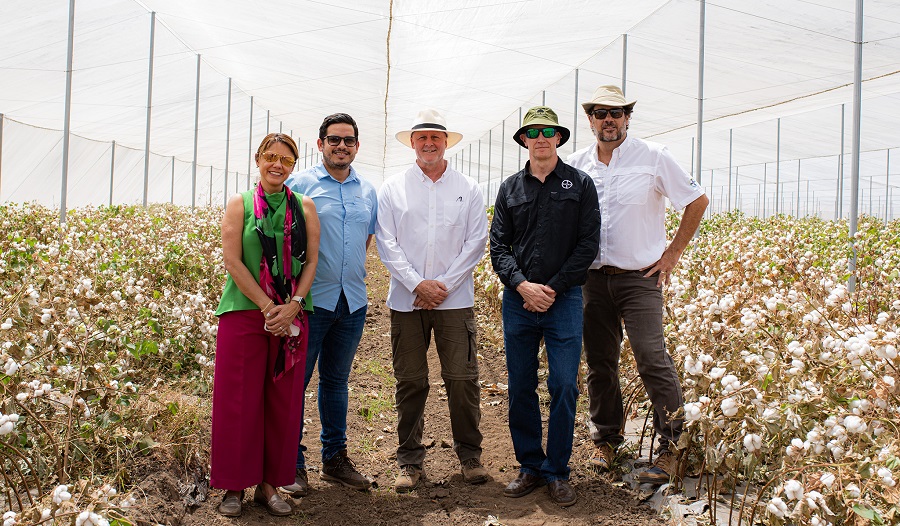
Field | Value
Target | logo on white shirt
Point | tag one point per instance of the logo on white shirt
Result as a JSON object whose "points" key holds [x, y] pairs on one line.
{"points": [[566, 184]]}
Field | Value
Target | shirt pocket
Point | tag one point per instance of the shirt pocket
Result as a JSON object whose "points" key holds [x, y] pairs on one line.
{"points": [[633, 188], [453, 214], [359, 210]]}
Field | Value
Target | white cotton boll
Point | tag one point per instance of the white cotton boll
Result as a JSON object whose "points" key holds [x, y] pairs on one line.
{"points": [[87, 518], [753, 442], [717, 372], [852, 490], [889, 380], [729, 407], [886, 477], [793, 489], [7, 324], [827, 479], [777, 507], [45, 318], [72, 313], [7, 428], [887, 352], [865, 373], [9, 518], [45, 514], [61, 494], [11, 367], [692, 411], [796, 449], [796, 349]]}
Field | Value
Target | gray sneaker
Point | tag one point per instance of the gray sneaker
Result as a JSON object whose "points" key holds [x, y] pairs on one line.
{"points": [[341, 469], [300, 487]]}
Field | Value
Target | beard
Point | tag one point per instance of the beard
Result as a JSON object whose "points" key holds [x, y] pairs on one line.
{"points": [[610, 134], [329, 161]]}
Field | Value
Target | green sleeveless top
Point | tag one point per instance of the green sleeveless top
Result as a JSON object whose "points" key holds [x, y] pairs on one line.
{"points": [[251, 252]]}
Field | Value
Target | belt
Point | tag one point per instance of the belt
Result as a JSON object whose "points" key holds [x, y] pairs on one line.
{"points": [[610, 270]]}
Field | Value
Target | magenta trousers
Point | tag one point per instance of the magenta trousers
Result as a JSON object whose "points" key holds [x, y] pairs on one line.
{"points": [[255, 420]]}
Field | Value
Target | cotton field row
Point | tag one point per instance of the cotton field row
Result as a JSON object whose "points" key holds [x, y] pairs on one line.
{"points": [[790, 380]]}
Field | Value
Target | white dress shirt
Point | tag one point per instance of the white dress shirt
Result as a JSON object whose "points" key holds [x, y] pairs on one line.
{"points": [[633, 191], [431, 230]]}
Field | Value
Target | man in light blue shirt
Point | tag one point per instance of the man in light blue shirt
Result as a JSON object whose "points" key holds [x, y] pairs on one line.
{"points": [[347, 206]]}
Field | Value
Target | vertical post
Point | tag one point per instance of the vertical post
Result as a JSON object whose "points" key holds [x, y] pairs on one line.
{"points": [[305, 154], [543, 97], [730, 158], [712, 184], [490, 145], [470, 159], [840, 200], [871, 195], [700, 68], [68, 114], [798, 187], [280, 127], [737, 188], [777, 165], [250, 144], [887, 177], [112, 171], [575, 115], [462, 161], [149, 107], [764, 184], [854, 146], [479, 161], [267, 121], [519, 164], [172, 191], [196, 135], [503, 147], [624, 61], [227, 144]]}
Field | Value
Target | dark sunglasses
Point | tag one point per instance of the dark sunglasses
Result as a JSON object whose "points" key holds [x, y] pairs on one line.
{"points": [[532, 133], [615, 113], [335, 140], [271, 157]]}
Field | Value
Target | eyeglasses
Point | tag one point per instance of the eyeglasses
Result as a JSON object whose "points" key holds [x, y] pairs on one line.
{"points": [[271, 157], [615, 113], [334, 140], [532, 133]]}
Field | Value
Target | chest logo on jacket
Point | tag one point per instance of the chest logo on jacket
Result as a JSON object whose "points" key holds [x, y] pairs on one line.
{"points": [[566, 184]]}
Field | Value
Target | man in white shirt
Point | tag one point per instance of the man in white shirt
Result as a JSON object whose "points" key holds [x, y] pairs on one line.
{"points": [[633, 178], [432, 229]]}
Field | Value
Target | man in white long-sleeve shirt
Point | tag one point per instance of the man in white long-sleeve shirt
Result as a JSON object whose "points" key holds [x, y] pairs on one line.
{"points": [[432, 229]]}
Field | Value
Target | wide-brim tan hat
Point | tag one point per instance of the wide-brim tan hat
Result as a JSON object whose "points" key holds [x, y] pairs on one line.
{"points": [[429, 120], [610, 96], [541, 116]]}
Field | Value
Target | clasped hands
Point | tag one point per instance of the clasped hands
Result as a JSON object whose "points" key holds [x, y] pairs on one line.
{"points": [[280, 318], [429, 294], [538, 298]]}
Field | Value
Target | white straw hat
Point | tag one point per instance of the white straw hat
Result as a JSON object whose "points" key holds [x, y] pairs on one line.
{"points": [[429, 120]]}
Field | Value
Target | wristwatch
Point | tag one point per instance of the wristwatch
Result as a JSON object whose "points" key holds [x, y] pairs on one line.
{"points": [[301, 300]]}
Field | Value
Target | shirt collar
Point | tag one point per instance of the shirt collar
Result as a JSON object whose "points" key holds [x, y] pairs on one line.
{"points": [[556, 169], [322, 173], [416, 170], [621, 149]]}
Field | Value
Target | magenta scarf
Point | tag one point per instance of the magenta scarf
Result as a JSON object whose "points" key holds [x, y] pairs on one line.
{"points": [[281, 284]]}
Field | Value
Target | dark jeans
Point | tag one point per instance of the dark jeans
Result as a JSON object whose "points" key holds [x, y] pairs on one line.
{"points": [[333, 339], [455, 338], [636, 300], [560, 327]]}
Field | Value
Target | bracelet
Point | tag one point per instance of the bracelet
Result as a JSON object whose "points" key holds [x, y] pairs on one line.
{"points": [[264, 309]]}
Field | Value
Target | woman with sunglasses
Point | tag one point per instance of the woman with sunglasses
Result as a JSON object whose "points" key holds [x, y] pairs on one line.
{"points": [[270, 245]]}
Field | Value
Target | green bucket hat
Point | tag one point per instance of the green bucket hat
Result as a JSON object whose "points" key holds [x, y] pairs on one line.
{"points": [[541, 115]]}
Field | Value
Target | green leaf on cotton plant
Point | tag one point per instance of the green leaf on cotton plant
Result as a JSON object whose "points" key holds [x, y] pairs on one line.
{"points": [[119, 522], [892, 463], [867, 513], [767, 380]]}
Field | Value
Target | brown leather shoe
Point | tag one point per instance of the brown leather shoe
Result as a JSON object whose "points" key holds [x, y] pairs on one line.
{"points": [[603, 457], [408, 479], [473, 472], [275, 505], [341, 469], [231, 504], [562, 493], [664, 468], [300, 487], [523, 485]]}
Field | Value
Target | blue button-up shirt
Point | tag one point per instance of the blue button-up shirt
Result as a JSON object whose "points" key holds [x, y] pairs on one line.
{"points": [[347, 215]]}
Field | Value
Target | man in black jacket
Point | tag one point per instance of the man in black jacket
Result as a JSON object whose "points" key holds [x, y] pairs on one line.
{"points": [[544, 236]]}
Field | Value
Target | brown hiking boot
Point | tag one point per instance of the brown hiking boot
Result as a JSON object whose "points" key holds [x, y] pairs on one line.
{"points": [[341, 469], [300, 487], [473, 472], [408, 479], [603, 457], [664, 468]]}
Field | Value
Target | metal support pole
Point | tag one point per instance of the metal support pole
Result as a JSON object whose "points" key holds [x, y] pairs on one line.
{"points": [[871, 196], [196, 136], [543, 97], [519, 164], [250, 144], [840, 210], [624, 60], [227, 143], [479, 161], [798, 187], [887, 178], [305, 154], [112, 171], [575, 116], [854, 145], [462, 160], [470, 160], [68, 114], [737, 188], [149, 107], [503, 148], [700, 68], [778, 166], [267, 121], [730, 158], [764, 184], [172, 191]]}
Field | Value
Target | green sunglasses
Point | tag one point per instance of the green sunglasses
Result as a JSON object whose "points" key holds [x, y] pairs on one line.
{"points": [[532, 133]]}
